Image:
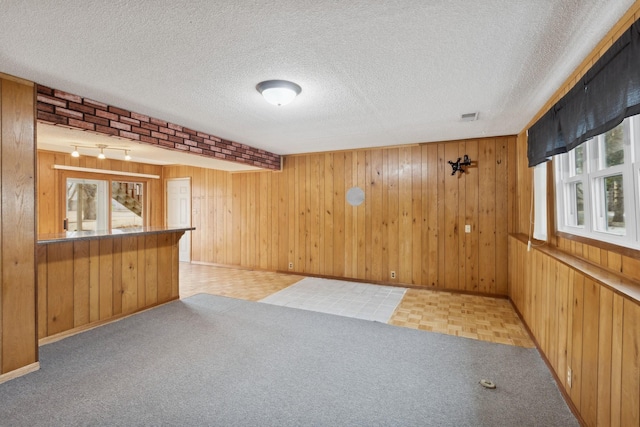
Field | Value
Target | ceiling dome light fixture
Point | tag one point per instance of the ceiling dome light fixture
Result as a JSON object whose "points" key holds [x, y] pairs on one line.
{"points": [[75, 152], [278, 92]]}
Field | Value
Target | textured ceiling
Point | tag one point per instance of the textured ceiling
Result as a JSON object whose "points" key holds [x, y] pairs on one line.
{"points": [[373, 73]]}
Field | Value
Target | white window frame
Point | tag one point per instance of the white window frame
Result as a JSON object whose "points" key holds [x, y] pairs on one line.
{"points": [[593, 172]]}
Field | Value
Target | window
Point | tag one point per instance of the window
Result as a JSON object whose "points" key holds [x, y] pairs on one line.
{"points": [[597, 190], [103, 204]]}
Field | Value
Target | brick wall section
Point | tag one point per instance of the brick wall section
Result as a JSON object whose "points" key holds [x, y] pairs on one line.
{"points": [[62, 108]]}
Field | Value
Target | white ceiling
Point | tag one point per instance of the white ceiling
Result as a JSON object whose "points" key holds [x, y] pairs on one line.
{"points": [[373, 73]]}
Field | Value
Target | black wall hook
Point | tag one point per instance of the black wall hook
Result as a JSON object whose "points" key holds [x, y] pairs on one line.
{"points": [[458, 165]]}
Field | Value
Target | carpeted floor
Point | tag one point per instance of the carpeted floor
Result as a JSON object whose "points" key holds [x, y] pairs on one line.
{"points": [[211, 360]]}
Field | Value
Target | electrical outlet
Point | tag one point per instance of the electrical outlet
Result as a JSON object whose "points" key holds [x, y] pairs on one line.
{"points": [[290, 266], [467, 228], [393, 274], [569, 377]]}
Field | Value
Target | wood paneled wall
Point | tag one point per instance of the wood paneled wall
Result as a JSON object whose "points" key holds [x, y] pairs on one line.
{"points": [[412, 221], [49, 187], [579, 323], [18, 346], [85, 282], [582, 326]]}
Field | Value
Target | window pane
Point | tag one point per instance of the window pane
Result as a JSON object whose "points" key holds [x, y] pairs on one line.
{"points": [[85, 208], [614, 146], [614, 204], [577, 205], [578, 153], [126, 204]]}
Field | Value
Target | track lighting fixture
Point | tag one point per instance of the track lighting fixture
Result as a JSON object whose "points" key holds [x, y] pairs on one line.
{"points": [[101, 154]]}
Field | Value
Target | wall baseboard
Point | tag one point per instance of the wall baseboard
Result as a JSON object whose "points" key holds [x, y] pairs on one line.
{"points": [[19, 372]]}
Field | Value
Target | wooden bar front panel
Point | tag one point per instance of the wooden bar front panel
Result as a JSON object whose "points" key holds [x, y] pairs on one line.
{"points": [[82, 282]]}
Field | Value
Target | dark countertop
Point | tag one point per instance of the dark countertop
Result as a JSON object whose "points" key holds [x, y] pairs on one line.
{"points": [[119, 232]]}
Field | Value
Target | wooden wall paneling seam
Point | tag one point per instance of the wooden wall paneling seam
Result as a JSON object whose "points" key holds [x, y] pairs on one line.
{"points": [[512, 162], [432, 207], [375, 261], [236, 220], [94, 281], [405, 211], [562, 321], [175, 274], [605, 325], [315, 194], [106, 278], [440, 223], [471, 218], [461, 221], [41, 257], [81, 270], [384, 226], [362, 216], [289, 218], [589, 393], [570, 329], [164, 266], [141, 270], [339, 194], [392, 221], [350, 180], [552, 311], [129, 274], [302, 216], [450, 224], [616, 360], [253, 223], [578, 317], [368, 232], [118, 290], [630, 408], [151, 269], [329, 212], [416, 216], [501, 216], [264, 213]]}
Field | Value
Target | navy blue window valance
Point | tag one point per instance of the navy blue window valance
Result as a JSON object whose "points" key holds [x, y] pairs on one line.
{"points": [[607, 94]]}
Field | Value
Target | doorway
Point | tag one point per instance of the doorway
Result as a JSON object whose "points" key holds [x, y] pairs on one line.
{"points": [[178, 212]]}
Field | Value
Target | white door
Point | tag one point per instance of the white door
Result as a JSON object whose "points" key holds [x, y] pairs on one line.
{"points": [[179, 212]]}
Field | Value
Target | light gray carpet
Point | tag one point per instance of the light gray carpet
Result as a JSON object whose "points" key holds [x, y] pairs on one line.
{"points": [[211, 360]]}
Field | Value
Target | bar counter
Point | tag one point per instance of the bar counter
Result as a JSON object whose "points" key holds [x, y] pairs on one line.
{"points": [[88, 278], [118, 232]]}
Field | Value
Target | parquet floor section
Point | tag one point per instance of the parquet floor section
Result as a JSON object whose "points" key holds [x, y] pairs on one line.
{"points": [[470, 316], [482, 318], [231, 282]]}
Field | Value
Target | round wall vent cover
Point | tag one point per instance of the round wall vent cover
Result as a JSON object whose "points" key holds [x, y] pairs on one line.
{"points": [[355, 196]]}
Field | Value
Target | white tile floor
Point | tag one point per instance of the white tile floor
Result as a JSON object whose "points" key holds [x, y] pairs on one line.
{"points": [[359, 300]]}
